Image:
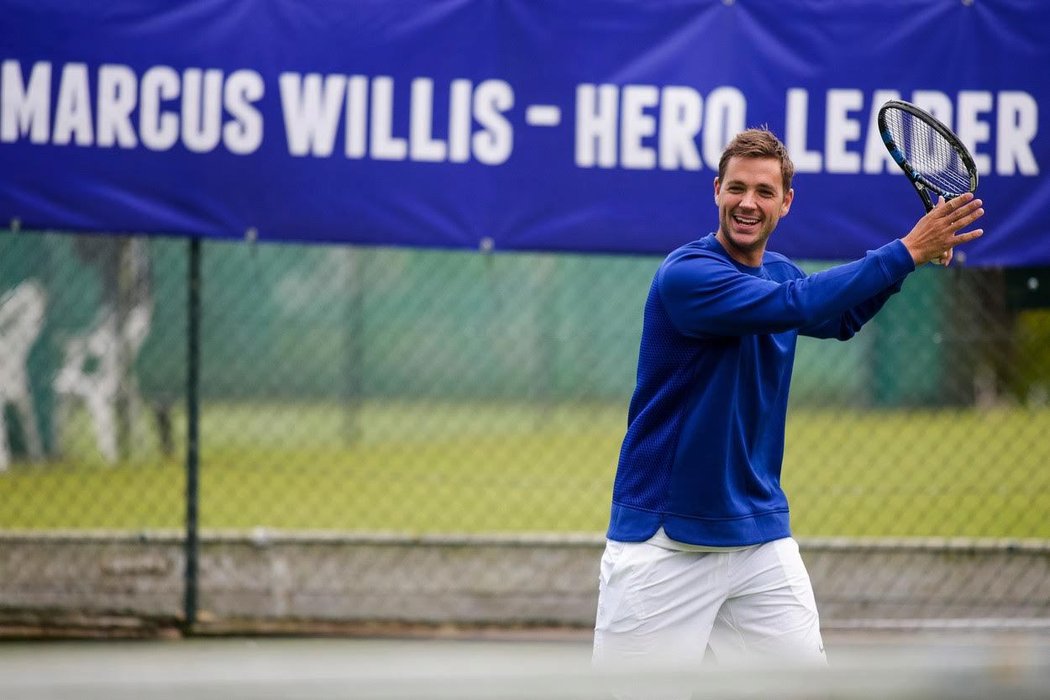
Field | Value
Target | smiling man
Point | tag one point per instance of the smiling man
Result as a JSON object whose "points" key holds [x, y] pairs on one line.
{"points": [[750, 202], [699, 549]]}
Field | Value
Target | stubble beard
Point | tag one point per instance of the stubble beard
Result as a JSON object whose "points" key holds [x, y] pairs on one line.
{"points": [[747, 247]]}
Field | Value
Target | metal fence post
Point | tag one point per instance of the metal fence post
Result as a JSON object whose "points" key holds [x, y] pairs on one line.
{"points": [[192, 433]]}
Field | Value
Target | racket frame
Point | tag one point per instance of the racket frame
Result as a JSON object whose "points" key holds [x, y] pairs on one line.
{"points": [[922, 185]]}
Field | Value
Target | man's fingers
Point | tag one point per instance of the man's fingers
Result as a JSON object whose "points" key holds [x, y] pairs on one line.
{"points": [[950, 208], [957, 214], [974, 216], [965, 207], [960, 238], [960, 201], [968, 216]]}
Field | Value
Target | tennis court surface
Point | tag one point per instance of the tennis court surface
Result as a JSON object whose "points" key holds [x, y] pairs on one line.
{"points": [[533, 665]]}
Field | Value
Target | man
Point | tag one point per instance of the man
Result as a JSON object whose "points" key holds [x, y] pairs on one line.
{"points": [[699, 546]]}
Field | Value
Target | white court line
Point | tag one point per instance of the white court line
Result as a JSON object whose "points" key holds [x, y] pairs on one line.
{"points": [[994, 624]]}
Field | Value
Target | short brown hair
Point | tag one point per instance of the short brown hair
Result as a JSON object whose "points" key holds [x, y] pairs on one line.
{"points": [[758, 143]]}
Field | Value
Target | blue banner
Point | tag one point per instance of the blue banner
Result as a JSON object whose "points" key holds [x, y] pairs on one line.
{"points": [[556, 125]]}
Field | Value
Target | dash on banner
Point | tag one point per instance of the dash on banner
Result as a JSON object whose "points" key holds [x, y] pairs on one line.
{"points": [[543, 115]]}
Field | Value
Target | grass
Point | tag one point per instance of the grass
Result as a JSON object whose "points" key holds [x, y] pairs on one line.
{"points": [[443, 467]]}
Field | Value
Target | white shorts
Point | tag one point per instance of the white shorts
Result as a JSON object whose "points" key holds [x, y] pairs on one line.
{"points": [[663, 608]]}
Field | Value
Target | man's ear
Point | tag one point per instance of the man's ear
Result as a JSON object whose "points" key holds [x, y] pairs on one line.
{"points": [[718, 187], [788, 199]]}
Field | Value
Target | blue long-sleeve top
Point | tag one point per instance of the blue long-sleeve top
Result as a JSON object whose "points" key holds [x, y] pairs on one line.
{"points": [[705, 438]]}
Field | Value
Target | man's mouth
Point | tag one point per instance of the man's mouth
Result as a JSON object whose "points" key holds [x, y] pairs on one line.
{"points": [[746, 221]]}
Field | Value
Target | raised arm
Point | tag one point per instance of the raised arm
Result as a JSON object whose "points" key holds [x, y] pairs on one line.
{"points": [[705, 295]]}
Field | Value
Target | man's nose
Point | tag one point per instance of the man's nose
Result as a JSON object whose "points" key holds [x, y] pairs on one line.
{"points": [[748, 200]]}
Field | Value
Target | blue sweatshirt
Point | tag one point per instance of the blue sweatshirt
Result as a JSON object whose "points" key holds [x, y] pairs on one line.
{"points": [[705, 436]]}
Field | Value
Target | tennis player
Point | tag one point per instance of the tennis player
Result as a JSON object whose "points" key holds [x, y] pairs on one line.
{"points": [[699, 549]]}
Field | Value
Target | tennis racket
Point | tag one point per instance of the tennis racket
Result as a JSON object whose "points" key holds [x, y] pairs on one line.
{"points": [[930, 154]]}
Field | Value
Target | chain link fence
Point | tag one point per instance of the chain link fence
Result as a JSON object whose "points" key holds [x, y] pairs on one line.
{"points": [[392, 399]]}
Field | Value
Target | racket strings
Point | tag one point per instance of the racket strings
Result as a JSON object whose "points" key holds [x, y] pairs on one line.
{"points": [[931, 154]]}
